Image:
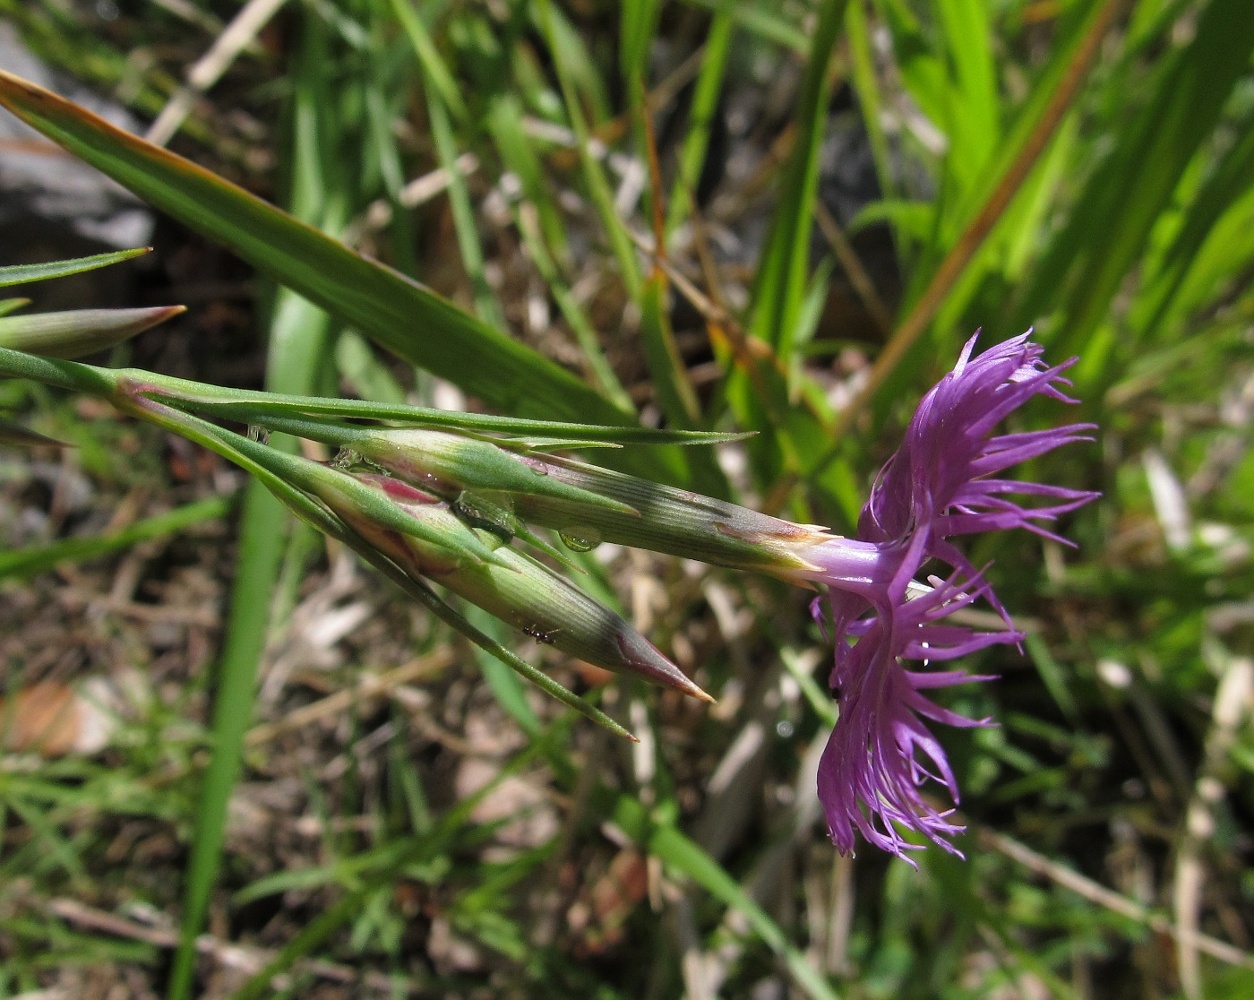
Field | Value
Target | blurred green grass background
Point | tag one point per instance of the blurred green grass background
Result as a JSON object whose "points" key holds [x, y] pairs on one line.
{"points": [[777, 217]]}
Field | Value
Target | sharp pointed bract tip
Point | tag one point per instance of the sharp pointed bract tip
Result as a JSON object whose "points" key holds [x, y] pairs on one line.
{"points": [[702, 695]]}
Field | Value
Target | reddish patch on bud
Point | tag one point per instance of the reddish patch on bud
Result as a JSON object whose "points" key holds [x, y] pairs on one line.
{"points": [[398, 490]]}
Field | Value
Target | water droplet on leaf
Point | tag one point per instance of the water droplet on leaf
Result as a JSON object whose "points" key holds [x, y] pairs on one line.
{"points": [[580, 539]]}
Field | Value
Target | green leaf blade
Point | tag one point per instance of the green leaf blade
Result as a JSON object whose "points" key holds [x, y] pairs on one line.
{"points": [[407, 318]]}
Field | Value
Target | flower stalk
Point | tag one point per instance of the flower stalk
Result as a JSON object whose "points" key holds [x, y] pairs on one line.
{"points": [[452, 499]]}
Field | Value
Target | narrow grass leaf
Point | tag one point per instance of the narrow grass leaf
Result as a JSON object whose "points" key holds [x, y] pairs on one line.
{"points": [[486, 305], [705, 102], [434, 68], [1108, 227], [870, 98], [403, 316], [973, 125], [784, 270], [38, 559], [505, 685], [563, 47], [296, 354], [674, 391], [19, 274], [1216, 218], [683, 855], [765, 21], [1027, 142], [365, 374], [504, 120], [581, 326], [17, 436]]}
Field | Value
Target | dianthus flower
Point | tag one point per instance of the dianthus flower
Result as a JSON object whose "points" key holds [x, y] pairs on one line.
{"points": [[942, 482]]}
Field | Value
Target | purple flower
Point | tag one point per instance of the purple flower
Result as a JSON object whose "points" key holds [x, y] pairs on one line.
{"points": [[942, 482]]}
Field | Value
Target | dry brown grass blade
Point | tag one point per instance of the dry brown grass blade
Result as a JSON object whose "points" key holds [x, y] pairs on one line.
{"points": [[1232, 705], [244, 960], [371, 687], [853, 268], [207, 70]]}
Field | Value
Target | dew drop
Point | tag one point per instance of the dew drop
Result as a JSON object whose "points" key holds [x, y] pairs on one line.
{"points": [[258, 433], [580, 539]]}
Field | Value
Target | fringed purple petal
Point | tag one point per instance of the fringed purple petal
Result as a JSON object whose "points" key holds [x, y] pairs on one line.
{"points": [[880, 755], [1014, 449], [937, 486], [946, 678]]}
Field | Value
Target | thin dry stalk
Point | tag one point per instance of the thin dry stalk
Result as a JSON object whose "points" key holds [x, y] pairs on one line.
{"points": [[1097, 893], [1232, 703], [208, 69]]}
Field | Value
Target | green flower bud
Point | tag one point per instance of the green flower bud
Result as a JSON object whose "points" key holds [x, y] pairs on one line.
{"points": [[448, 464], [81, 331], [517, 589], [381, 509]]}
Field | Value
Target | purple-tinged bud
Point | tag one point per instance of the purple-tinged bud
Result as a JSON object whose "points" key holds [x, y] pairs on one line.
{"points": [[380, 508], [518, 590]]}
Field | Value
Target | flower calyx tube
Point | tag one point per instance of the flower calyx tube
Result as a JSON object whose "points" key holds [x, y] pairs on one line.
{"points": [[677, 522]]}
